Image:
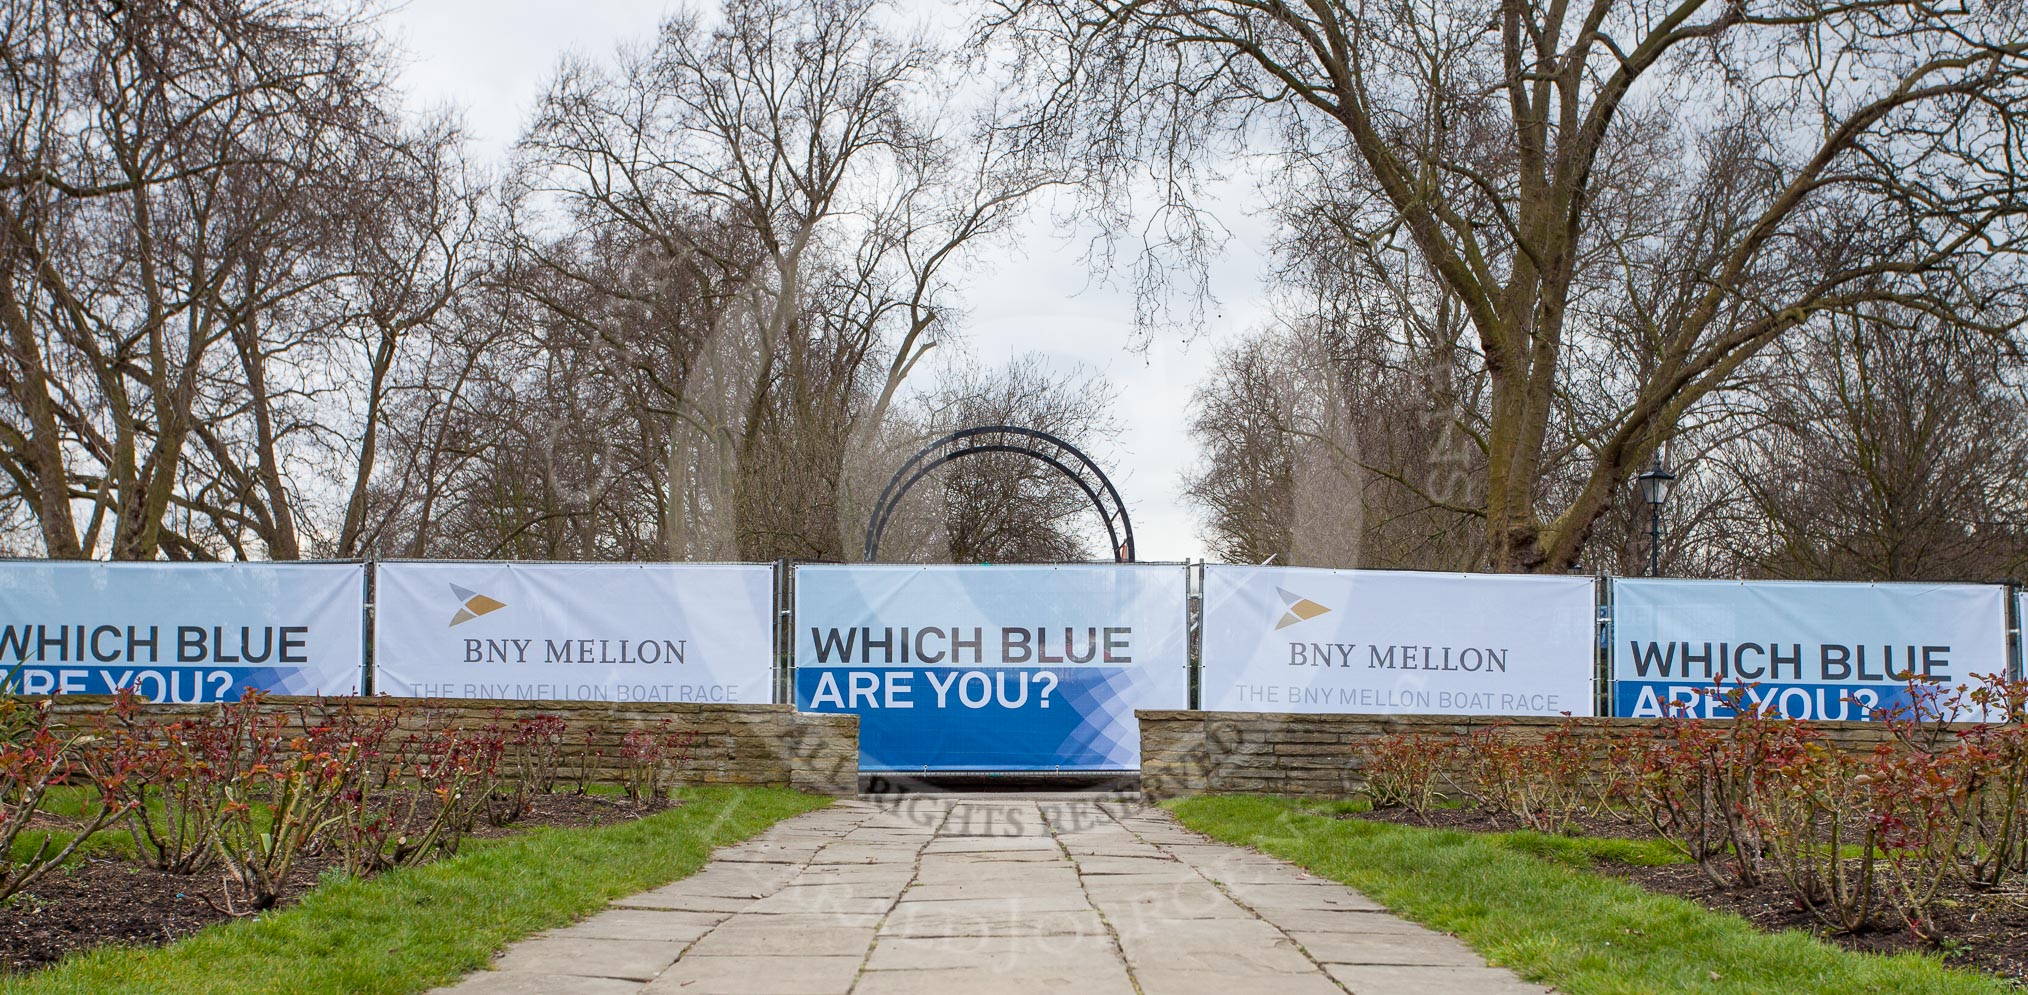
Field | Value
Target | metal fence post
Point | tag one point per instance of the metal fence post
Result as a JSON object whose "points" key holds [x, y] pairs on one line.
{"points": [[1602, 654], [784, 635], [2015, 665], [370, 580], [1193, 627]]}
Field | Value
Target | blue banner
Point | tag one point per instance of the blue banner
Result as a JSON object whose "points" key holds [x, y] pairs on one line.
{"points": [[1816, 702], [995, 718], [1000, 668], [155, 683], [1809, 650], [183, 632]]}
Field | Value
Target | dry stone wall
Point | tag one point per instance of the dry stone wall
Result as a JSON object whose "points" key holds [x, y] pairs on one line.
{"points": [[758, 745], [1184, 753]]}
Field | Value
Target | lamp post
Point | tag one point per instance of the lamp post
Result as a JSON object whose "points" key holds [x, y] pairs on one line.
{"points": [[1655, 484]]}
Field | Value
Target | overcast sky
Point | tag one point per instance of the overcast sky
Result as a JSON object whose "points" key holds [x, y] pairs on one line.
{"points": [[490, 58]]}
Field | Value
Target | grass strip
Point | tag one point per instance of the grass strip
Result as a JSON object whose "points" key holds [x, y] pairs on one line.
{"points": [[1583, 851], [414, 928], [1555, 923], [1577, 851]]}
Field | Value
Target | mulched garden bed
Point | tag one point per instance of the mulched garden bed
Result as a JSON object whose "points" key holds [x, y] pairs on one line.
{"points": [[1988, 930], [99, 901]]}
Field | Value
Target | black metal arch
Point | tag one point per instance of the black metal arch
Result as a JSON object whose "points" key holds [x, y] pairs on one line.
{"points": [[1038, 445]]}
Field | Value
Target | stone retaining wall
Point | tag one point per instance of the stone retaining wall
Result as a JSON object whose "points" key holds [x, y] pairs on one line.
{"points": [[759, 745], [1282, 753]]}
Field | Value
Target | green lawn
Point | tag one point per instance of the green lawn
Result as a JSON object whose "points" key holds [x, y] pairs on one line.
{"points": [[412, 929], [1524, 901], [77, 804]]}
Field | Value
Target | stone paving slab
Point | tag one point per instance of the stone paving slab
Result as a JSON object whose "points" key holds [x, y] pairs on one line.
{"points": [[826, 899], [760, 939], [1165, 981], [1341, 921], [926, 919], [791, 922], [533, 983], [636, 960], [1154, 863], [678, 900], [899, 875], [1300, 896], [645, 924], [1093, 979], [1015, 898], [758, 975], [910, 953], [984, 896], [1249, 946], [1423, 948]]}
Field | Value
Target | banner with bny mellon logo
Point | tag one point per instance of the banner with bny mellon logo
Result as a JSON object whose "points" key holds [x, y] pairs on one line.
{"points": [[575, 631], [1295, 639]]}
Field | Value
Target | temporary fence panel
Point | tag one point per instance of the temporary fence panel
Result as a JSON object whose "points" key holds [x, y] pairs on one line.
{"points": [[992, 668], [1296, 639], [2014, 641], [182, 632], [575, 631], [1813, 650]]}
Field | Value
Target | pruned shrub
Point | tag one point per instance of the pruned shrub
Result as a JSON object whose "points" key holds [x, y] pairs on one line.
{"points": [[279, 792], [538, 751], [649, 759], [1544, 782], [174, 803], [34, 759], [1814, 818], [1402, 771]]}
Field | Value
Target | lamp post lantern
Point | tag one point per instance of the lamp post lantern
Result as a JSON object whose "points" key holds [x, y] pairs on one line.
{"points": [[1655, 484]]}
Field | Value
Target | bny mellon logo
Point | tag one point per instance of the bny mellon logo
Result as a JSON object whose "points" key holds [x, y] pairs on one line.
{"points": [[474, 605], [1301, 609]]}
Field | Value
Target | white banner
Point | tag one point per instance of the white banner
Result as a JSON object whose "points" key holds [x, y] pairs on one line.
{"points": [[1817, 650], [575, 631], [1294, 639], [1017, 667], [183, 631]]}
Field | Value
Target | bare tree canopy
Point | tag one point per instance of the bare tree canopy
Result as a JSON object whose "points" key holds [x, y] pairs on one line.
{"points": [[756, 220], [254, 306], [1894, 448], [214, 230], [1621, 202]]}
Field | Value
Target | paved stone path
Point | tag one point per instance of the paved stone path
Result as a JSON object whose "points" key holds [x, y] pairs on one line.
{"points": [[979, 896]]}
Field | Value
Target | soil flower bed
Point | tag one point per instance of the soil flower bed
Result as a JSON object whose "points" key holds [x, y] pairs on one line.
{"points": [[1987, 930], [108, 898], [142, 831], [1918, 846], [1533, 903]]}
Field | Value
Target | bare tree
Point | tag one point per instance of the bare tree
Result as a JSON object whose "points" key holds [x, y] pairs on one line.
{"points": [[182, 190], [795, 163], [1624, 198], [1303, 460], [1245, 483], [1893, 449]]}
